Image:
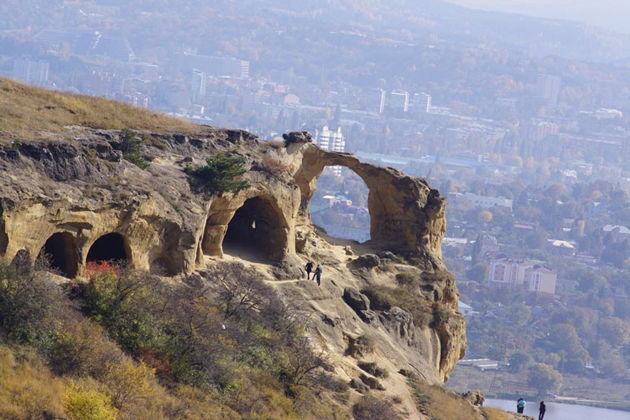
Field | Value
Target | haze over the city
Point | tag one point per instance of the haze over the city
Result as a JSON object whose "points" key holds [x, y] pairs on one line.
{"points": [[516, 111], [611, 14]]}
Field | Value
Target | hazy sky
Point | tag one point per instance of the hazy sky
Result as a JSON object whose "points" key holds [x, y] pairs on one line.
{"points": [[611, 14]]}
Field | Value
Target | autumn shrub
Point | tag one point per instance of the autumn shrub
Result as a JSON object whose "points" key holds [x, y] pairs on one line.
{"points": [[406, 279], [331, 382], [84, 402], [373, 408], [373, 369], [29, 304], [274, 166], [213, 336], [127, 382], [82, 348]]}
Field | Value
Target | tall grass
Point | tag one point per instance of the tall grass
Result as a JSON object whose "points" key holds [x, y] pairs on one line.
{"points": [[25, 110]]}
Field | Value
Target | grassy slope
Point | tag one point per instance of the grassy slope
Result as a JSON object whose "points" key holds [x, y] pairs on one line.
{"points": [[25, 110]]}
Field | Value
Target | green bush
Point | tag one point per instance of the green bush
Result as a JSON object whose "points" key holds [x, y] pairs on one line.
{"points": [[221, 174], [187, 338], [29, 304], [129, 304], [131, 145]]}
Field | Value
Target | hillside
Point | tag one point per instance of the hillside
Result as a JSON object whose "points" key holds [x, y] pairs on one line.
{"points": [[157, 273], [29, 111]]}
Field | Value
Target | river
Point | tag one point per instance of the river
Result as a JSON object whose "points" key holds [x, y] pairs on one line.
{"points": [[557, 411]]}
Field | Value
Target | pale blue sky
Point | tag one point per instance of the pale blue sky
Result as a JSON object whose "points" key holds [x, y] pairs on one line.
{"points": [[610, 14]]}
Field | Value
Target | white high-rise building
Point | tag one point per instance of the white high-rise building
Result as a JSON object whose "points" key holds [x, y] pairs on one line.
{"points": [[383, 100], [548, 88], [199, 85], [398, 101], [332, 141], [31, 71], [422, 102], [244, 69]]}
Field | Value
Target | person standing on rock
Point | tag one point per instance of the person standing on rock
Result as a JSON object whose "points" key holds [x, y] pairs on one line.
{"points": [[309, 268], [520, 406], [318, 274], [541, 410]]}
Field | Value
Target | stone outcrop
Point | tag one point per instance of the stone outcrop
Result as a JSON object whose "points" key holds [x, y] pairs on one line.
{"points": [[76, 200], [406, 214], [85, 188]]}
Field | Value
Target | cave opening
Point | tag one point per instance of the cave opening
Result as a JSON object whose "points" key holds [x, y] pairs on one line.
{"points": [[256, 232], [109, 248], [60, 254]]}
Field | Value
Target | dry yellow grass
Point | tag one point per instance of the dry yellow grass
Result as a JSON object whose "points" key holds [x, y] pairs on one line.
{"points": [[25, 110], [445, 405], [495, 413], [27, 388]]}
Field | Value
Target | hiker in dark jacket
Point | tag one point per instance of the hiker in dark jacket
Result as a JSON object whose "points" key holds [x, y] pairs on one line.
{"points": [[318, 274], [541, 410], [309, 268]]}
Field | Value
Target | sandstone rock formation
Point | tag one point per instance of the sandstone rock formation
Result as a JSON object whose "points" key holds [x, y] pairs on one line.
{"points": [[85, 189], [74, 199]]}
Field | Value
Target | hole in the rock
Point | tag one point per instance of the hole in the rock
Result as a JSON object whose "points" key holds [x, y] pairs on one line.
{"points": [[60, 253], [340, 204], [110, 248], [256, 232]]}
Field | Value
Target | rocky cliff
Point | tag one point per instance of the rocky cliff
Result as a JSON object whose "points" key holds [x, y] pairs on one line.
{"points": [[71, 196]]}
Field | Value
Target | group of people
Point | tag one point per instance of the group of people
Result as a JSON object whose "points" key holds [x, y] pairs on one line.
{"points": [[520, 408], [317, 274]]}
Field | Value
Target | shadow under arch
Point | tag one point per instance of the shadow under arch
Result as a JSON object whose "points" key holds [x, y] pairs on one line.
{"points": [[111, 247], [257, 231], [60, 253]]}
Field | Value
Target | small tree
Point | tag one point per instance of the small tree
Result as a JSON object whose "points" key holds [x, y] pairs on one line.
{"points": [[221, 174], [28, 305], [520, 361], [544, 378], [130, 145]]}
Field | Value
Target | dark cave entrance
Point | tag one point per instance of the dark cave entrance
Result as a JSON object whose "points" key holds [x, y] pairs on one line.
{"points": [[60, 253], [256, 232], [111, 248]]}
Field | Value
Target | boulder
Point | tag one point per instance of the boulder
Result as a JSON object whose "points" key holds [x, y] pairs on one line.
{"points": [[367, 261], [355, 299], [297, 137]]}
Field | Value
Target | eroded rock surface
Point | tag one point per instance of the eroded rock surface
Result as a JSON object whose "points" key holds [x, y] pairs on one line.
{"points": [[75, 199]]}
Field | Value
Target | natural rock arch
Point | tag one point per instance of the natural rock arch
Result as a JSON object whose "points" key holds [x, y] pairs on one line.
{"points": [[61, 253], [406, 215], [112, 247], [257, 228]]}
